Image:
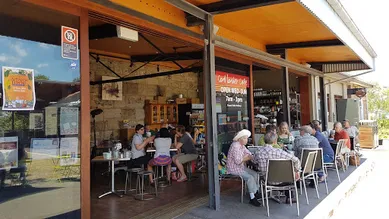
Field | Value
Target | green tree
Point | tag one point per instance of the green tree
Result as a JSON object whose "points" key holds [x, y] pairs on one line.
{"points": [[378, 104], [41, 77]]}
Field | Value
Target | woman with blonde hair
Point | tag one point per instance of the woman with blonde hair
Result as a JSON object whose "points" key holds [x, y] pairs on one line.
{"points": [[284, 136]]}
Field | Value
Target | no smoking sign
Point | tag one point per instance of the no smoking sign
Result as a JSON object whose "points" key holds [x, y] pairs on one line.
{"points": [[69, 43]]}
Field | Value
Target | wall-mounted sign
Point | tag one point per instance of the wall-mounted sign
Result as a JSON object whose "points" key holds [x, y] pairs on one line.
{"points": [[232, 87], [69, 43], [359, 92], [231, 83]]}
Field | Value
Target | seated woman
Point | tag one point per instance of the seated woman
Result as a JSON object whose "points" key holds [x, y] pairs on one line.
{"points": [[162, 154], [284, 136], [138, 145], [187, 151]]}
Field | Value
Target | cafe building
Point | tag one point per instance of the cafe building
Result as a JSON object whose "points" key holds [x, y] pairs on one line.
{"points": [[79, 75]]}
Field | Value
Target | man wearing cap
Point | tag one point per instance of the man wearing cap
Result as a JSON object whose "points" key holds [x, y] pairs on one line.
{"points": [[238, 154]]}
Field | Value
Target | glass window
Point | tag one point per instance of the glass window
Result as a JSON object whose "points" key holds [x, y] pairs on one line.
{"points": [[39, 120]]}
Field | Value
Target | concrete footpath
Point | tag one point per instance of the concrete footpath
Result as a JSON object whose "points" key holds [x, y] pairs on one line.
{"points": [[356, 185], [370, 197]]}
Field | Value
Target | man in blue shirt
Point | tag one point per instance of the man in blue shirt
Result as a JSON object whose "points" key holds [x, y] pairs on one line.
{"points": [[328, 152]]}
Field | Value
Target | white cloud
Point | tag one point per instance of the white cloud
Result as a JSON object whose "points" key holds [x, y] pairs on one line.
{"points": [[44, 45], [9, 60], [42, 65], [19, 50]]}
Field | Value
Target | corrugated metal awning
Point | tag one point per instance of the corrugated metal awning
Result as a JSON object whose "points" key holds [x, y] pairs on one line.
{"points": [[343, 67]]}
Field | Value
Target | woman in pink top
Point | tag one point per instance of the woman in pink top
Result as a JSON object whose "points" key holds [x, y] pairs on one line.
{"points": [[237, 156]]}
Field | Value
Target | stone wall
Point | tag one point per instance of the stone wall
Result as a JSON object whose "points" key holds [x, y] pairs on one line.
{"points": [[134, 93]]}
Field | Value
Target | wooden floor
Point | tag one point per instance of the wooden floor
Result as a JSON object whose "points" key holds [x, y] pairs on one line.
{"points": [[178, 195]]}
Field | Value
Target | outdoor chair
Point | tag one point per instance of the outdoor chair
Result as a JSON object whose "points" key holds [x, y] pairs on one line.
{"points": [[308, 160], [338, 156], [279, 171], [223, 177], [352, 153], [319, 164]]}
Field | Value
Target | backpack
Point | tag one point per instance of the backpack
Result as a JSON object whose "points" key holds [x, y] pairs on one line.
{"points": [[222, 163]]}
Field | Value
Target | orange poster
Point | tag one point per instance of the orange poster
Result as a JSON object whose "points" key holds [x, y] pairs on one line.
{"points": [[18, 89]]}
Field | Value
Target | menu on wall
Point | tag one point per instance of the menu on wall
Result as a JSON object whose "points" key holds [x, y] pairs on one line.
{"points": [[44, 148], [68, 151], [233, 87], [51, 121], [69, 121], [36, 121], [18, 89]]}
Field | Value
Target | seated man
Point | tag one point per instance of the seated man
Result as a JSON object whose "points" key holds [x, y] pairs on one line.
{"points": [[340, 133], [352, 131], [305, 140], [186, 151], [328, 153], [263, 154], [238, 155], [269, 128]]}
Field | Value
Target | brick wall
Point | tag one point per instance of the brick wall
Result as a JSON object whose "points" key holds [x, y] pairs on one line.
{"points": [[134, 93]]}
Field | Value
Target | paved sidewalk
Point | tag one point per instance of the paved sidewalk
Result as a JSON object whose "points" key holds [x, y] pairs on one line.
{"points": [[369, 200], [232, 208]]}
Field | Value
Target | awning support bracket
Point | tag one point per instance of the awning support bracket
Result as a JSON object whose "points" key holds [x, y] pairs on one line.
{"points": [[159, 74], [158, 49], [105, 66]]}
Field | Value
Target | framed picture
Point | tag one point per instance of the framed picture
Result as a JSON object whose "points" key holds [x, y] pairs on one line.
{"points": [[112, 91]]}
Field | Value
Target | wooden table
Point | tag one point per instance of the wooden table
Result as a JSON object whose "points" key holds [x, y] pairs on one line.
{"points": [[112, 160]]}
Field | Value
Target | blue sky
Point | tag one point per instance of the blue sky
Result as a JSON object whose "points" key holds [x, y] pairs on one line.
{"points": [[45, 59]]}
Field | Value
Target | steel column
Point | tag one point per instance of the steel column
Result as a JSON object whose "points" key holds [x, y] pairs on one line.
{"points": [[285, 91], [211, 123], [209, 98], [323, 105]]}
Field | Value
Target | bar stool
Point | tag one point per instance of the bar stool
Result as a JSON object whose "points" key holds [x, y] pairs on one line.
{"points": [[140, 186], [161, 181], [129, 177]]}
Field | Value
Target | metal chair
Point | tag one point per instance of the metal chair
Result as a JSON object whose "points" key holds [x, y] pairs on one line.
{"points": [[162, 179], [338, 156], [129, 178], [140, 186], [352, 153], [233, 177], [308, 159], [319, 164], [279, 170]]}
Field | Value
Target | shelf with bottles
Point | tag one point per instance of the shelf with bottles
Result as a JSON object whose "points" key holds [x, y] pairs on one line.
{"points": [[260, 93]]}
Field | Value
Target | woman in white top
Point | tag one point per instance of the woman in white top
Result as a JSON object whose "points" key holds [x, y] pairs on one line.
{"points": [[162, 154]]}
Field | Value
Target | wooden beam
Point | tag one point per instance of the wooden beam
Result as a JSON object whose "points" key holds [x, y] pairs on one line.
{"points": [[85, 116], [276, 48], [168, 57]]}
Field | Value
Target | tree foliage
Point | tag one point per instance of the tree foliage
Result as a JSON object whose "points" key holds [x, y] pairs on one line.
{"points": [[378, 104], [41, 77]]}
